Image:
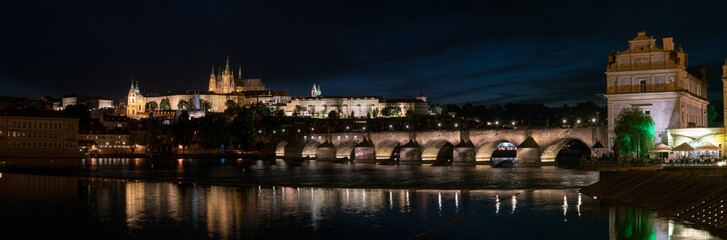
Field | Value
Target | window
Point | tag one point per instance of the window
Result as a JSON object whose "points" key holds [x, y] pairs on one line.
{"points": [[642, 85], [647, 113]]}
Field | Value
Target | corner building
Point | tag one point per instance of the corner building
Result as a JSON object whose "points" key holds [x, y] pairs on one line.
{"points": [[657, 80]]}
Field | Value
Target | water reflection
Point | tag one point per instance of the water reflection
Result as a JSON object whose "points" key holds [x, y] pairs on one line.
{"points": [[183, 210]]}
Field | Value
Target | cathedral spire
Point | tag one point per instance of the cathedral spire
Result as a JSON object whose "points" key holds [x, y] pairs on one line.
{"points": [[212, 73], [239, 72], [227, 66]]}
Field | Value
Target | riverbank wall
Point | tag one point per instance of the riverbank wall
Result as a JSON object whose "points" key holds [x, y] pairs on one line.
{"points": [[694, 198]]}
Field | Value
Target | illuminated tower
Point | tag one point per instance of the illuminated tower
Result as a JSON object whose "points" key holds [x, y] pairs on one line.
{"points": [[135, 102], [724, 101], [213, 80]]}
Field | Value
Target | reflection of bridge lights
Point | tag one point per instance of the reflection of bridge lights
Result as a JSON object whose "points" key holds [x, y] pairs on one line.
{"points": [[565, 206], [439, 201], [514, 204], [578, 207], [497, 204], [456, 201]]}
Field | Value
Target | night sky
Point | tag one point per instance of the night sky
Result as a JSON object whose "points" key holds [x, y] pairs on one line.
{"points": [[483, 52]]}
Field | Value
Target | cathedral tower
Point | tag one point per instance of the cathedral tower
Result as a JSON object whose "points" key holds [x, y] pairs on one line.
{"points": [[213, 80]]}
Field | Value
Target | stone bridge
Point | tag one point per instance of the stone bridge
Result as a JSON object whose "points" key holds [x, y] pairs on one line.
{"points": [[535, 147]]}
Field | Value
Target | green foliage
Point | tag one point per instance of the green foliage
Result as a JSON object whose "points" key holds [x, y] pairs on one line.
{"points": [[711, 115], [391, 112], [183, 105], [230, 104], [333, 114], [375, 113], [297, 110], [437, 110], [79, 111], [634, 132], [151, 106], [165, 105]]}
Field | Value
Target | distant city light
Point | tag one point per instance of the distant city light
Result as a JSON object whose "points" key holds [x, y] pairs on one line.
{"points": [[346, 127], [563, 120], [496, 122], [513, 123], [273, 131], [364, 128], [579, 121], [594, 120], [407, 126], [391, 126], [283, 130], [455, 125], [439, 124]]}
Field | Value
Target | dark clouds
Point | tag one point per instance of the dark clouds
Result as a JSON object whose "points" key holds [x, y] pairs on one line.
{"points": [[489, 52]]}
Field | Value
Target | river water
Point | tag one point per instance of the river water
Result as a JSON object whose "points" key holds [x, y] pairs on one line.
{"points": [[254, 199]]}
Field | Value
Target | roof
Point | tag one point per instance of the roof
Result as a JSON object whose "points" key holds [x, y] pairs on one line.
{"points": [[36, 113], [421, 94]]}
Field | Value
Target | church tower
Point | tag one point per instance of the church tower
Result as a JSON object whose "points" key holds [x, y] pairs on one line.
{"points": [[135, 102], [314, 91], [213, 80]]}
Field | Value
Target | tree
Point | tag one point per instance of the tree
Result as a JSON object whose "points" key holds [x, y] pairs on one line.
{"points": [[333, 114], [711, 115], [437, 110], [353, 115], [80, 111], [634, 132], [152, 106], [229, 104], [375, 113], [183, 130], [182, 105], [165, 105]]}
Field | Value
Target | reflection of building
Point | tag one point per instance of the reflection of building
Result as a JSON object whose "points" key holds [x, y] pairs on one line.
{"points": [[223, 87], [38, 133], [657, 80]]}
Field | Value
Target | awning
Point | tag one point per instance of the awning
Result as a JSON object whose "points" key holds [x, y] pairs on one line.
{"points": [[684, 147], [708, 147], [660, 148]]}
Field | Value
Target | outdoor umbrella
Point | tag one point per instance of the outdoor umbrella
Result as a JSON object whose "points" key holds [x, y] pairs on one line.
{"points": [[684, 147], [708, 147], [661, 148]]}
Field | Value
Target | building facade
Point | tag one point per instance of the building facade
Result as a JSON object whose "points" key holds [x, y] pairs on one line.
{"points": [[223, 87], [657, 80], [354, 106], [36, 133]]}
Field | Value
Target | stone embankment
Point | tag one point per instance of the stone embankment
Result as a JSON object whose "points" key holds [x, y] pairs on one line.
{"points": [[694, 198]]}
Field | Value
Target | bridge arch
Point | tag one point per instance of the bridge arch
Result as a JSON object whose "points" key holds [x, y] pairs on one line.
{"points": [[437, 148], [386, 148], [484, 151], [280, 149], [552, 152], [309, 149], [345, 149]]}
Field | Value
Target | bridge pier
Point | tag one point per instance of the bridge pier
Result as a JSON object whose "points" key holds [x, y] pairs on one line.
{"points": [[411, 153], [293, 151], [464, 154], [364, 152], [528, 153], [326, 152]]}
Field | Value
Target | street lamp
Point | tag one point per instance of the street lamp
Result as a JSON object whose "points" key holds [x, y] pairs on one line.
{"points": [[578, 121]]}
